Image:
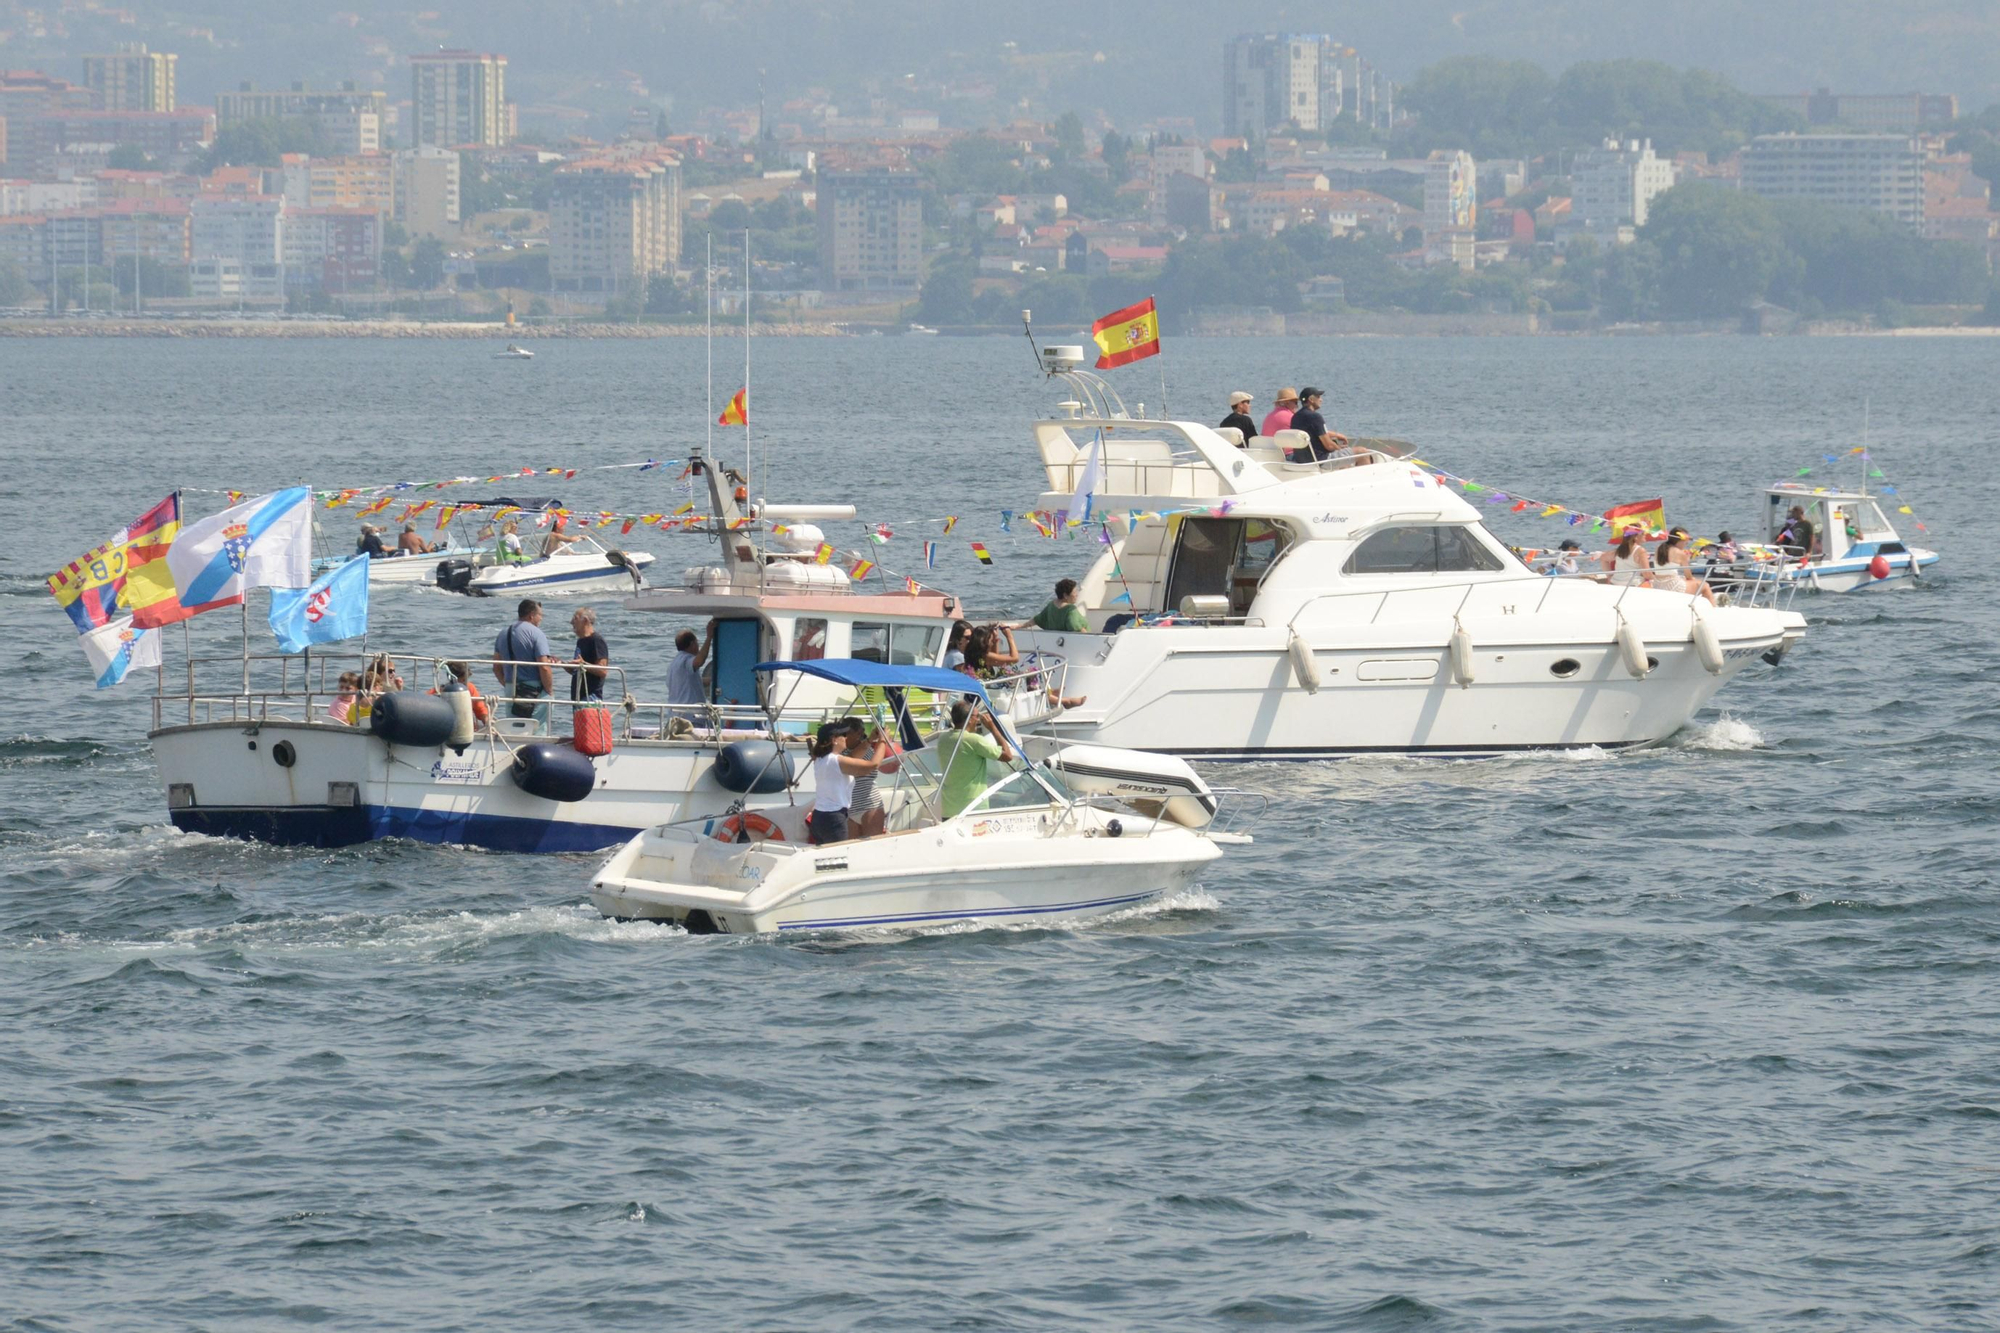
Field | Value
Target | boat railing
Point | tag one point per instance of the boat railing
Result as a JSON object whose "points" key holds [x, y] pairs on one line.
{"points": [[307, 687], [1236, 806], [1164, 476], [1466, 589]]}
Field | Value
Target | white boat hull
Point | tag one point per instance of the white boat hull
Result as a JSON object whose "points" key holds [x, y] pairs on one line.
{"points": [[557, 574], [1233, 693], [923, 878], [345, 786], [402, 568]]}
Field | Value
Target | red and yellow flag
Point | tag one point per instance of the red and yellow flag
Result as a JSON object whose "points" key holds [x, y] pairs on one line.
{"points": [[1650, 515], [738, 411], [1127, 335]]}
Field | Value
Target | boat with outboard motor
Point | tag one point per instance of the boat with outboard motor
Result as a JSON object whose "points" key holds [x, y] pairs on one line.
{"points": [[1250, 607], [1854, 548], [514, 352], [1087, 832], [580, 564]]}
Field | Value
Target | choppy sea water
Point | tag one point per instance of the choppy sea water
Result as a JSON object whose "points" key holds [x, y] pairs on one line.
{"points": [[1702, 1037]]}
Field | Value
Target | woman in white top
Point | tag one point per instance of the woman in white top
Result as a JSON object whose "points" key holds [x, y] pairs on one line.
{"points": [[834, 771], [1627, 561], [1671, 569]]}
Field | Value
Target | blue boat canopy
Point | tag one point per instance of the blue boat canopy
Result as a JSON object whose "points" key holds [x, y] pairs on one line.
{"points": [[859, 673]]}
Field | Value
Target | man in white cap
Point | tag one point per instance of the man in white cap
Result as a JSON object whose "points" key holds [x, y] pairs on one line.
{"points": [[1239, 415]]}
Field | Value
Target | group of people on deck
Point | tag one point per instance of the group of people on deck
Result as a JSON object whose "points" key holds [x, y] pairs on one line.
{"points": [[508, 547], [1296, 409]]}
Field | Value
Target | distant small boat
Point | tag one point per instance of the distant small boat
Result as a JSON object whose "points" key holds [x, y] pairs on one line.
{"points": [[923, 328], [514, 353]]}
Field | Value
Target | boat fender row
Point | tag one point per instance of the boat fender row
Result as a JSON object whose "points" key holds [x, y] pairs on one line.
{"points": [[753, 768], [1305, 666], [1461, 655], [1632, 648], [1707, 645], [404, 717], [554, 772]]}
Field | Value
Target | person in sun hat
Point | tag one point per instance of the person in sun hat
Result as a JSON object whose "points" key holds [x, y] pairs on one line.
{"points": [[1280, 416], [1239, 418]]}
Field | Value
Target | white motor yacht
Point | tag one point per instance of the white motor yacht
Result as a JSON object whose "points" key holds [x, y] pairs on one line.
{"points": [[1038, 842], [1254, 608]]}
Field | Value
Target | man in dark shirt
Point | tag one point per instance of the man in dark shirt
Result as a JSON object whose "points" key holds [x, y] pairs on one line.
{"points": [[370, 544], [1239, 415], [1321, 442], [1798, 531], [593, 656]]}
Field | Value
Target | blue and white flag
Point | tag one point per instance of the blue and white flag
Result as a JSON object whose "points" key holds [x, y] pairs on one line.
{"points": [[115, 647], [334, 607], [261, 543], [1087, 484]]}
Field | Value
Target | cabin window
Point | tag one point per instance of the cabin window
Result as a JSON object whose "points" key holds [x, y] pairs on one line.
{"points": [[1202, 558], [809, 641], [1426, 549], [870, 642]]}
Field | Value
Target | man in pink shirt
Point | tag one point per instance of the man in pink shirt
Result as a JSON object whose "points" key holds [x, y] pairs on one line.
{"points": [[1280, 417]]}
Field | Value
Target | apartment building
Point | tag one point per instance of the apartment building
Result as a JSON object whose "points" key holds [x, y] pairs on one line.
{"points": [[131, 78], [427, 182], [333, 250], [1451, 192], [614, 223], [165, 136], [362, 180], [458, 98], [1310, 80], [236, 246], [871, 230], [351, 120], [157, 229], [1874, 112], [1611, 186], [1882, 173]]}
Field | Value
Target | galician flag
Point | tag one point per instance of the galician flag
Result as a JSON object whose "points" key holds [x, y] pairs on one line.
{"points": [[1087, 483], [1127, 335], [115, 648], [261, 543], [334, 607]]}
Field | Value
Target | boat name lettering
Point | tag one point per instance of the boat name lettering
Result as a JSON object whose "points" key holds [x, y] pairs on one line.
{"points": [[464, 771]]}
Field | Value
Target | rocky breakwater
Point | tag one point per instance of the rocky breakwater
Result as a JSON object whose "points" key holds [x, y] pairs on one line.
{"points": [[367, 328]]}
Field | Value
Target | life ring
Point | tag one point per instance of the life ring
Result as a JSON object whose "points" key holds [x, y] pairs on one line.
{"points": [[759, 829]]}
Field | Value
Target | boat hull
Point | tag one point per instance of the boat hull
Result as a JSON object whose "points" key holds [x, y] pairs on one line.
{"points": [[921, 879], [1232, 693], [344, 786], [558, 574], [401, 568]]}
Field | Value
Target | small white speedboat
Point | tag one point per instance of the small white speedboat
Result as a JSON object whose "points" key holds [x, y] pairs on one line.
{"points": [[514, 353], [585, 565], [1043, 841]]}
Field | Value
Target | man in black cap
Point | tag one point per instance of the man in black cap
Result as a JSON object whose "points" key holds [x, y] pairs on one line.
{"points": [[1565, 562], [1321, 442]]}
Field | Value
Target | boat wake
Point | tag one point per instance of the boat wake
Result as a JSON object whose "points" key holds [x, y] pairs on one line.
{"points": [[1725, 735]]}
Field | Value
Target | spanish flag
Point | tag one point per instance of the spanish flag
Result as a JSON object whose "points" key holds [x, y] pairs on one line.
{"points": [[1650, 515], [1127, 335], [738, 411]]}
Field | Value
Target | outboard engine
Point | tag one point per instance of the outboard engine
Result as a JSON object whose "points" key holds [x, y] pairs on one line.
{"points": [[554, 772], [408, 718], [753, 768], [454, 575], [1145, 781]]}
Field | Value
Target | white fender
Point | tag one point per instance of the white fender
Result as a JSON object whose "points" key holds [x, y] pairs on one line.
{"points": [[1707, 645], [1632, 648], [461, 718], [1305, 666], [1461, 656]]}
